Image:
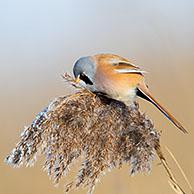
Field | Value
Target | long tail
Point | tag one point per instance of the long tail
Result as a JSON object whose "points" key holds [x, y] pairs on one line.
{"points": [[143, 92]]}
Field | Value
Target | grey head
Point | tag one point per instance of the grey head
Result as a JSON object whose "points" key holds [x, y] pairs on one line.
{"points": [[84, 68]]}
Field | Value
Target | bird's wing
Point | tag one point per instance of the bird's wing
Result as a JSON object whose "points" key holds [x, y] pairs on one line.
{"points": [[126, 67], [128, 70]]}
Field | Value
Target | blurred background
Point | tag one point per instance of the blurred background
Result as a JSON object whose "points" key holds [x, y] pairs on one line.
{"points": [[41, 39]]}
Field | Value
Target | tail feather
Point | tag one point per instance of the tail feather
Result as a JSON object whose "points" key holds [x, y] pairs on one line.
{"points": [[143, 92]]}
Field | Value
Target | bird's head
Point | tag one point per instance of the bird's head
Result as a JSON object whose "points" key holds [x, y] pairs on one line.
{"points": [[84, 70]]}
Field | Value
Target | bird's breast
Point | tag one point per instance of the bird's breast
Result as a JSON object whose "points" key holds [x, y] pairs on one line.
{"points": [[120, 87]]}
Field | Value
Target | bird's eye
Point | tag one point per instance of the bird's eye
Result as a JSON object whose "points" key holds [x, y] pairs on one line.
{"points": [[85, 78]]}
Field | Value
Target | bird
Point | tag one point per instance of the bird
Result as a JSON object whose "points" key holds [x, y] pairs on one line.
{"points": [[117, 78]]}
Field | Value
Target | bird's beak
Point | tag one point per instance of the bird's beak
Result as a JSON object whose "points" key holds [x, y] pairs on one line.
{"points": [[77, 80]]}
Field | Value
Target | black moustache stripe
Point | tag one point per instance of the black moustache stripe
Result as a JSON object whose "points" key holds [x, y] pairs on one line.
{"points": [[84, 78]]}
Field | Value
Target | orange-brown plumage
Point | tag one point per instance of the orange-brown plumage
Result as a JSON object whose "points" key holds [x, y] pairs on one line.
{"points": [[118, 78]]}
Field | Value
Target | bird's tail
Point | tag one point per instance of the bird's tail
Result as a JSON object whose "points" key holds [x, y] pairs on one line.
{"points": [[143, 92]]}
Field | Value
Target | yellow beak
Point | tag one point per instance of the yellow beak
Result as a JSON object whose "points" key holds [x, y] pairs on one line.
{"points": [[77, 80]]}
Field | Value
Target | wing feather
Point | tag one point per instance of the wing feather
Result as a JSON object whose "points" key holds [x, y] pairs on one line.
{"points": [[130, 71], [126, 67]]}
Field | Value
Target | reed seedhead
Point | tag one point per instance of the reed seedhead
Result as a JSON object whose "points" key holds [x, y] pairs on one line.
{"points": [[105, 132]]}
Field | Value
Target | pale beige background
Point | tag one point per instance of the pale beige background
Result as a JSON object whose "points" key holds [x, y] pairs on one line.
{"points": [[40, 39]]}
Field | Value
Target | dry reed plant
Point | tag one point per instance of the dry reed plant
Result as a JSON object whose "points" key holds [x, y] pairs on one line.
{"points": [[102, 132]]}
